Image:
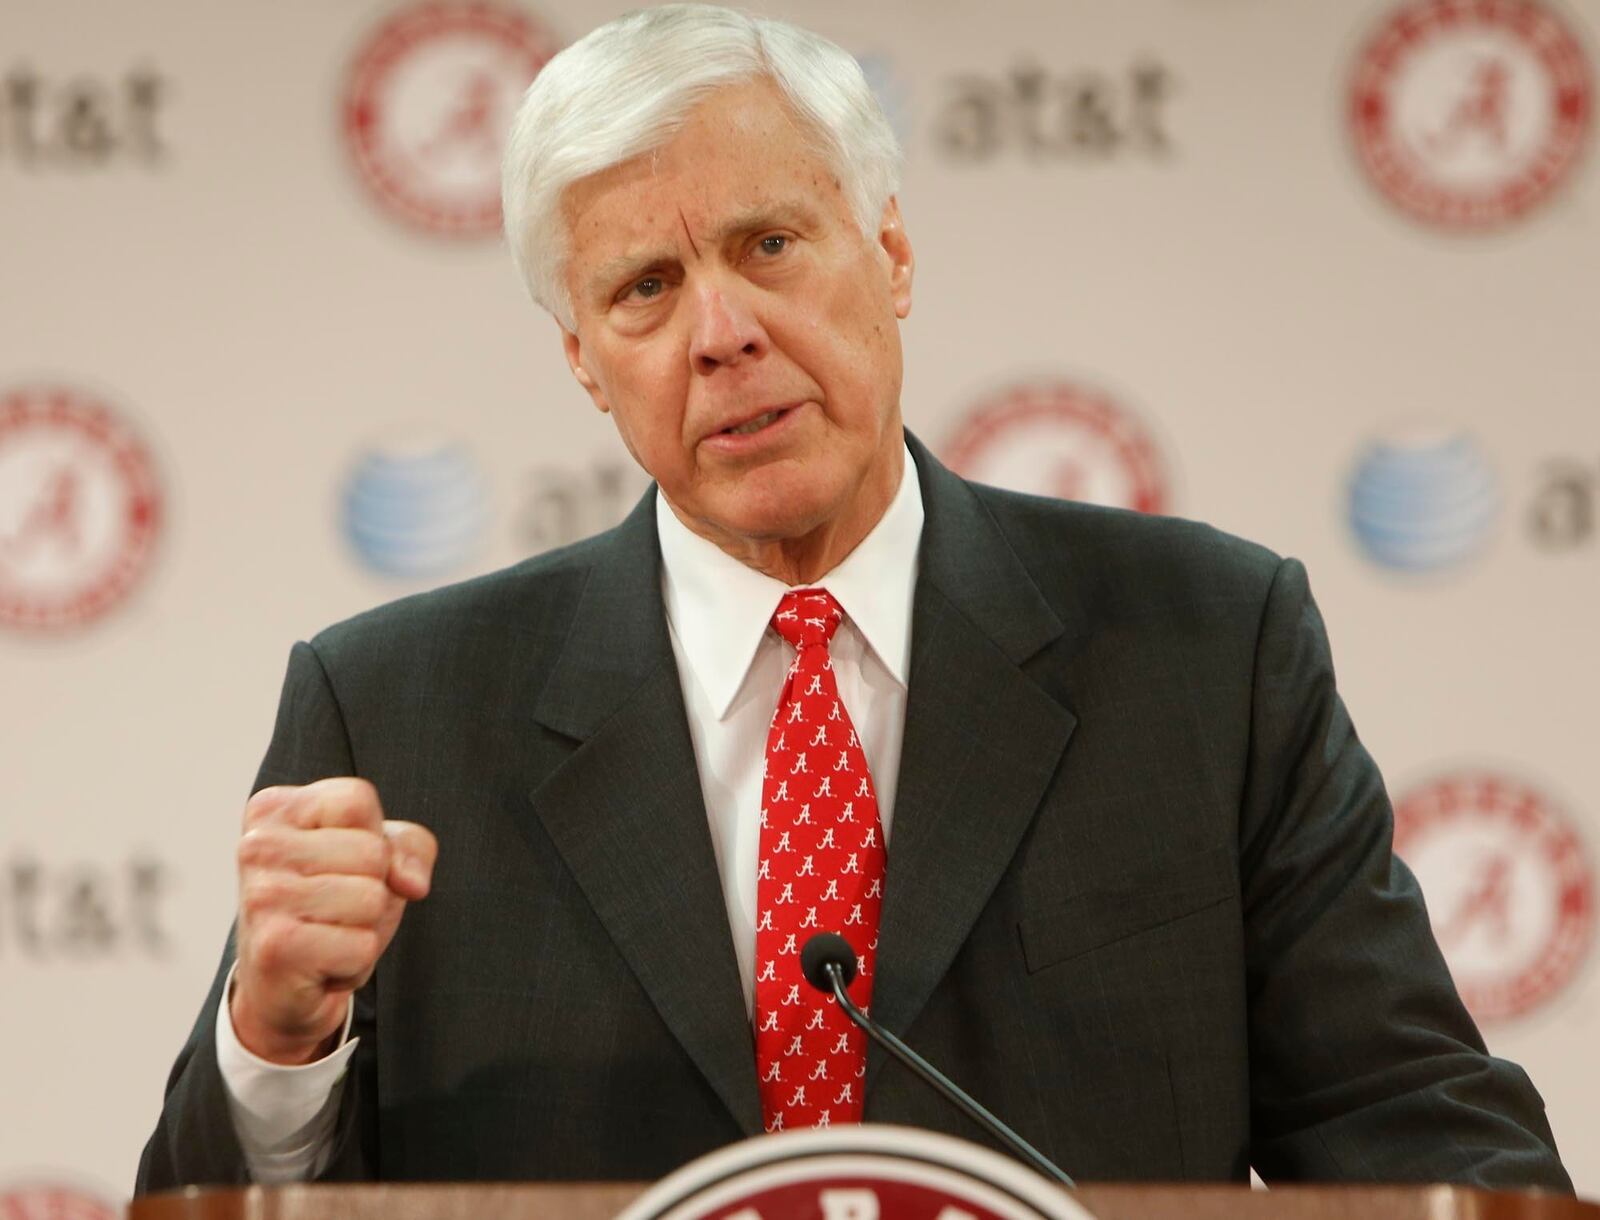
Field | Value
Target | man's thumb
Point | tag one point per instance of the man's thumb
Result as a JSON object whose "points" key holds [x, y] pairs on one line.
{"points": [[412, 852]]}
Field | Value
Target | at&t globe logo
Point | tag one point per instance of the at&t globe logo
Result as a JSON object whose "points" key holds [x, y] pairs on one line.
{"points": [[1422, 502], [415, 511]]}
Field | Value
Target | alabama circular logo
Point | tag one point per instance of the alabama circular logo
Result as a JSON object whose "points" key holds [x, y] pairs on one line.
{"points": [[1509, 886], [1062, 440], [51, 1202], [428, 105], [80, 508], [1468, 115], [855, 1173]]}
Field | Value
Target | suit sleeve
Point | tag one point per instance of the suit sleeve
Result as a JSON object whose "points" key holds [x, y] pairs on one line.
{"points": [[1364, 1063], [194, 1141]]}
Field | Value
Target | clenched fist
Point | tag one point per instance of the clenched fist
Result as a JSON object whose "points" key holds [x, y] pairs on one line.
{"points": [[323, 882]]}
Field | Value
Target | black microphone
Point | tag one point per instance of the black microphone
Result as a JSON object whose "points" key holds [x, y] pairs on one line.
{"points": [[829, 964]]}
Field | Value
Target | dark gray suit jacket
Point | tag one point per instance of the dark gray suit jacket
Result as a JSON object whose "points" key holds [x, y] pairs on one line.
{"points": [[1140, 898]]}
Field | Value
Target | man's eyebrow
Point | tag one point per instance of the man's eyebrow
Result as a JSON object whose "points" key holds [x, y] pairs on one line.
{"points": [[766, 216]]}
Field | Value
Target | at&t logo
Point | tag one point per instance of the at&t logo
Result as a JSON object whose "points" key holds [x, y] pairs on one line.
{"points": [[558, 505], [415, 511], [1084, 116], [1422, 502], [81, 122], [1565, 515], [83, 912]]}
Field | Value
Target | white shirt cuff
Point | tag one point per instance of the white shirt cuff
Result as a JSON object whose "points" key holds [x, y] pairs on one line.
{"points": [[284, 1116]]}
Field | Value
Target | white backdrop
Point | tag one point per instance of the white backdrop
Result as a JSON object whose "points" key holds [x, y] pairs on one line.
{"points": [[1156, 267]]}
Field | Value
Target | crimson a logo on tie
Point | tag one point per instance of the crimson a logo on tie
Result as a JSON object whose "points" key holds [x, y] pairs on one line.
{"points": [[48, 1201], [1509, 885], [1055, 438], [1468, 114], [427, 106], [80, 508]]}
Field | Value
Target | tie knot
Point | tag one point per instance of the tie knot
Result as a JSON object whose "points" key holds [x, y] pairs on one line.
{"points": [[807, 616]]}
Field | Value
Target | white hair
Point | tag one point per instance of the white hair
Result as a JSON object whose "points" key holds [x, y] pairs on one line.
{"points": [[628, 87]]}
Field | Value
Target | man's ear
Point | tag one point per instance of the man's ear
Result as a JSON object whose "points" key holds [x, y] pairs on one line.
{"points": [[896, 245], [573, 347]]}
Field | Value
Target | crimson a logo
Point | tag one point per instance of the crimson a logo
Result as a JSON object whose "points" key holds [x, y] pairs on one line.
{"points": [[81, 508], [1058, 438], [1510, 887], [428, 104], [1469, 116]]}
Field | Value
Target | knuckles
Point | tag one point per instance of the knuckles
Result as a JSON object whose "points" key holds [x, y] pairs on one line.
{"points": [[348, 900], [259, 848], [272, 945], [261, 894], [372, 856], [368, 945], [348, 800], [263, 804]]}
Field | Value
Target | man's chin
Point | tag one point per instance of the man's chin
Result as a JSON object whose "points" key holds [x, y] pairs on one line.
{"points": [[772, 524]]}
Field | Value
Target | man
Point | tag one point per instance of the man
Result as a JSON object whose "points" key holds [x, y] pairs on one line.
{"points": [[1137, 894]]}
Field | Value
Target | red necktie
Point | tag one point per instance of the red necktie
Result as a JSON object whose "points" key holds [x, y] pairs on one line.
{"points": [[821, 870]]}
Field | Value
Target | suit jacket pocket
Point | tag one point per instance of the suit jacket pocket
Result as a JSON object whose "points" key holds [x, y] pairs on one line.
{"points": [[1128, 906]]}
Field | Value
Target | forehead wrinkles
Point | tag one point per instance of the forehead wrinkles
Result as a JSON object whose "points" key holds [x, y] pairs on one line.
{"points": [[671, 200]]}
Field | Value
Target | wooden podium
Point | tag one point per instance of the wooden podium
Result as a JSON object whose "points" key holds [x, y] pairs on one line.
{"points": [[603, 1201], [903, 1172]]}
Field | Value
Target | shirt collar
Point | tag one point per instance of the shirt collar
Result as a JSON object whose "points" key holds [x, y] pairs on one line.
{"points": [[719, 609]]}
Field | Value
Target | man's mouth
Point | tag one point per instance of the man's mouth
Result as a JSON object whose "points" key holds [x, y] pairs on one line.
{"points": [[756, 424]]}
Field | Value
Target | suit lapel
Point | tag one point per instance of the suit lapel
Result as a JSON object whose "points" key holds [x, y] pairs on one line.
{"points": [[982, 741], [626, 813]]}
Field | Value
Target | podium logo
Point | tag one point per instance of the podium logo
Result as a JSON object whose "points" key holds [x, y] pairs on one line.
{"points": [[1470, 115], [415, 512], [80, 508], [47, 1201], [428, 105], [1422, 502], [1054, 438], [855, 1173], [1509, 886]]}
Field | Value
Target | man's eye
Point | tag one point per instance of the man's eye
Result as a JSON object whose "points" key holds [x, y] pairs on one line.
{"points": [[650, 286], [775, 243]]}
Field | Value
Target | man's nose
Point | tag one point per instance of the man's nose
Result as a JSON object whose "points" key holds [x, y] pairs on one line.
{"points": [[725, 330]]}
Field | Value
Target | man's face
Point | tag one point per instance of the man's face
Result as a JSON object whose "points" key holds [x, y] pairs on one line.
{"points": [[740, 328]]}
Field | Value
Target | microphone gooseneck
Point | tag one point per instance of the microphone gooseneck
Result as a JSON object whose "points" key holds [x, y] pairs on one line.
{"points": [[829, 964]]}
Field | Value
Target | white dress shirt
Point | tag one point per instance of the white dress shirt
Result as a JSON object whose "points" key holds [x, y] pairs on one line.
{"points": [[732, 666]]}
